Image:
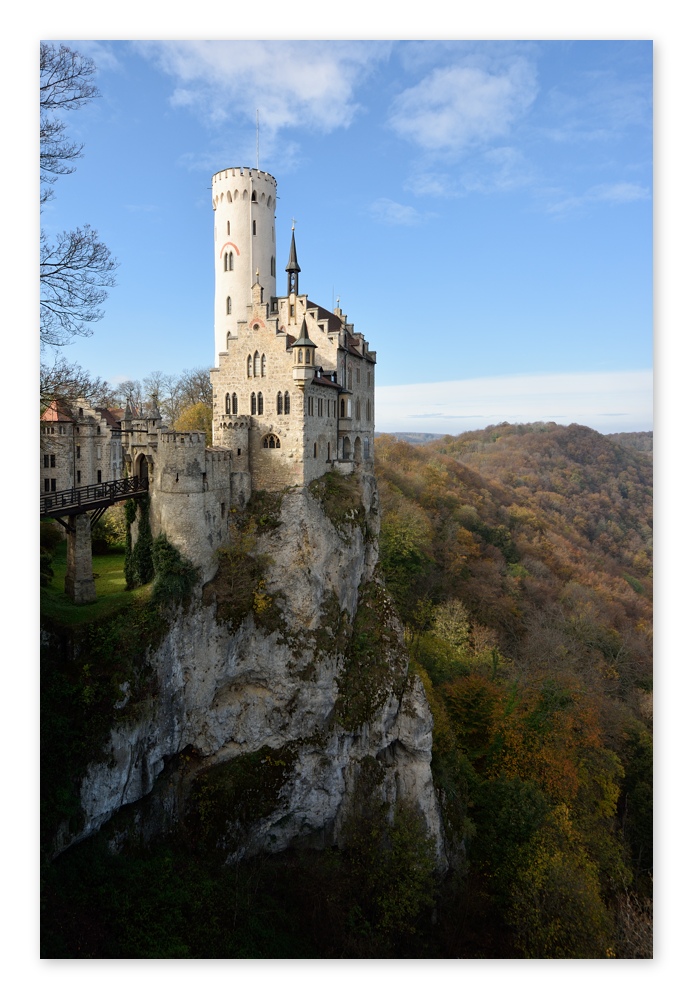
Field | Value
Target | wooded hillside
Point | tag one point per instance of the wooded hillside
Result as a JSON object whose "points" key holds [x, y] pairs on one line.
{"points": [[520, 558]]}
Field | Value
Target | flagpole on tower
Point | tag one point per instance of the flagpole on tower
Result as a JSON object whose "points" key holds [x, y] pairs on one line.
{"points": [[257, 136]]}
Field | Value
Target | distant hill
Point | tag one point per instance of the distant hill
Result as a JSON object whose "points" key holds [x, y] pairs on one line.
{"points": [[413, 438], [641, 440]]}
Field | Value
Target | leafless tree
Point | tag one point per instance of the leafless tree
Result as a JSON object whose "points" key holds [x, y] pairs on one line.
{"points": [[65, 381], [76, 269]]}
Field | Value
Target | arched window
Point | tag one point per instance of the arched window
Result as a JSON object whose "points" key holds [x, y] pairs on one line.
{"points": [[227, 404], [254, 227], [280, 400], [234, 404], [253, 404], [228, 261], [346, 447], [300, 355], [366, 448], [256, 365], [254, 196], [287, 403], [271, 441], [263, 367], [250, 366], [260, 405], [228, 306], [341, 407]]}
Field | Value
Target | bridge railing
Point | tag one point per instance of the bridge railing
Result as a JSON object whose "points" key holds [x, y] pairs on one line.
{"points": [[100, 493]]}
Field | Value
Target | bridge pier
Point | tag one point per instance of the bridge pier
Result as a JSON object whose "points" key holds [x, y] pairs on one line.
{"points": [[79, 579]]}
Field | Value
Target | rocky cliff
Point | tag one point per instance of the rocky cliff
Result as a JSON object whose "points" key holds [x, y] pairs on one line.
{"points": [[281, 684]]}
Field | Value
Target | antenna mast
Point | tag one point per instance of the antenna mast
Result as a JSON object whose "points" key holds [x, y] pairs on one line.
{"points": [[257, 136]]}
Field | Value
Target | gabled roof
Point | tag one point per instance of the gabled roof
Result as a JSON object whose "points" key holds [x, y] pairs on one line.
{"points": [[57, 412], [334, 323]]}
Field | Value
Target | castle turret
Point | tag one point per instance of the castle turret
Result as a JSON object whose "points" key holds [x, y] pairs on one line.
{"points": [[303, 351], [244, 202]]}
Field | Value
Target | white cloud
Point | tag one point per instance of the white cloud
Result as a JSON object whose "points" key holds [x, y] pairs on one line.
{"points": [[462, 106], [617, 194], [607, 401], [292, 83], [392, 213]]}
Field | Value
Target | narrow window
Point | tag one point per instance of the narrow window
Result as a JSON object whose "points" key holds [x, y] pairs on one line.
{"points": [[256, 365], [280, 399], [273, 267], [46, 485], [358, 409], [52, 485], [292, 310], [79, 451], [234, 404], [98, 475], [315, 450], [254, 196], [300, 355], [228, 306], [319, 407], [368, 410], [287, 403], [260, 406], [253, 404], [329, 450], [226, 261], [341, 408], [230, 261], [227, 404], [79, 477], [366, 447], [264, 366], [358, 376], [46, 461], [228, 228], [250, 366], [368, 378], [254, 228]]}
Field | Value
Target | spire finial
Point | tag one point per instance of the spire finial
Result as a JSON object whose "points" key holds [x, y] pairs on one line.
{"points": [[292, 268]]}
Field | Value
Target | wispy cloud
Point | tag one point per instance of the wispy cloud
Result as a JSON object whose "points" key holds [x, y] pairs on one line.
{"points": [[458, 107], [389, 212], [583, 397], [616, 194], [293, 84]]}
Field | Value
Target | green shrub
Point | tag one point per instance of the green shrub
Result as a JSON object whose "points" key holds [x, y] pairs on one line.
{"points": [[175, 575], [50, 535]]}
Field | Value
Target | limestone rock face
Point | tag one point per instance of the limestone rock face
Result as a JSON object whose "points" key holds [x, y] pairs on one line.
{"points": [[290, 696]]}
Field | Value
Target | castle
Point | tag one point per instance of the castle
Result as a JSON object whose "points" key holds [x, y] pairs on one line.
{"points": [[293, 388]]}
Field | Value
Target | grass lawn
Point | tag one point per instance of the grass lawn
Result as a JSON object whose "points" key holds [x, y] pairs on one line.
{"points": [[111, 595]]}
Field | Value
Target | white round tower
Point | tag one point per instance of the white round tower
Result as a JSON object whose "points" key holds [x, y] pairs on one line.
{"points": [[244, 202]]}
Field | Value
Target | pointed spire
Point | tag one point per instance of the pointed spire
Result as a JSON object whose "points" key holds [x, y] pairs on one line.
{"points": [[292, 267]]}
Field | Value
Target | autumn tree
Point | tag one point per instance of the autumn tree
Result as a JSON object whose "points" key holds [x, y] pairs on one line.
{"points": [[76, 268]]}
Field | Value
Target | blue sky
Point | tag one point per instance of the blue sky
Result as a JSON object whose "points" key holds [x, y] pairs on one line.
{"points": [[483, 211]]}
